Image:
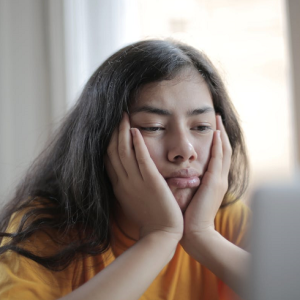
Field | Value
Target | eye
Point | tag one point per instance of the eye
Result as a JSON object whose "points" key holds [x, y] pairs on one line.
{"points": [[202, 128], [152, 129]]}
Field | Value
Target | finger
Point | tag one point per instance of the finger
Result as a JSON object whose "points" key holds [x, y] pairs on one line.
{"points": [[144, 160], [210, 182], [227, 151], [113, 155], [216, 160], [110, 171], [125, 149]]}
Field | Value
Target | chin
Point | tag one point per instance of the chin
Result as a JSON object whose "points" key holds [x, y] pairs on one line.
{"points": [[183, 197]]}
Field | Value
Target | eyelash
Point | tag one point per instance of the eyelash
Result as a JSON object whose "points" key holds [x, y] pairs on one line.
{"points": [[152, 129], [201, 128]]}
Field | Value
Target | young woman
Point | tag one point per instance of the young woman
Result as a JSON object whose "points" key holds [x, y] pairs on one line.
{"points": [[137, 197]]}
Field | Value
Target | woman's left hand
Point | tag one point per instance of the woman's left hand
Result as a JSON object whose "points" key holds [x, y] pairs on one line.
{"points": [[200, 239], [200, 214]]}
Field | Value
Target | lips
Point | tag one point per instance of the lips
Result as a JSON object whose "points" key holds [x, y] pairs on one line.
{"points": [[184, 178]]}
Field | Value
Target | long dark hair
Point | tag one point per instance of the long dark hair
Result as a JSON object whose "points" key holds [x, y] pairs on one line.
{"points": [[67, 189]]}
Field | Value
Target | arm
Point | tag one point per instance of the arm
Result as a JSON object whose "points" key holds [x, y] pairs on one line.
{"points": [[227, 261], [145, 198], [131, 273], [125, 278]]}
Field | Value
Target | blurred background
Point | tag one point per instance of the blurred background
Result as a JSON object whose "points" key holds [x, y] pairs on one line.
{"points": [[49, 48]]}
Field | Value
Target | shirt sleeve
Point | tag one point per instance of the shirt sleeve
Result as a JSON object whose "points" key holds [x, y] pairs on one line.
{"points": [[22, 278], [233, 222]]}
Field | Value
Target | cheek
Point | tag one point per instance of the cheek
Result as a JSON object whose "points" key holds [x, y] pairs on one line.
{"points": [[201, 145], [203, 149], [156, 151]]}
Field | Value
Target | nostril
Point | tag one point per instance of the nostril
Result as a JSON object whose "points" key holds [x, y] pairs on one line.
{"points": [[178, 157], [182, 150]]}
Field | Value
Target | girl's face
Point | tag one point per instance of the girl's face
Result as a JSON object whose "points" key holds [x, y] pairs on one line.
{"points": [[177, 119]]}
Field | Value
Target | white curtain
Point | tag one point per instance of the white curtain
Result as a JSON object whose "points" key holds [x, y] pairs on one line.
{"points": [[94, 30], [48, 50], [293, 24]]}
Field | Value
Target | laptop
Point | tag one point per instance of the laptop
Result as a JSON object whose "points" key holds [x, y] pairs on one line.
{"points": [[275, 243]]}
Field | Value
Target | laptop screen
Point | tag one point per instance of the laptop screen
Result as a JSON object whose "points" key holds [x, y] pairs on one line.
{"points": [[275, 242]]}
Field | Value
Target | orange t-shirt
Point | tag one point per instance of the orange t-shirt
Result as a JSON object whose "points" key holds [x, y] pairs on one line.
{"points": [[181, 278]]}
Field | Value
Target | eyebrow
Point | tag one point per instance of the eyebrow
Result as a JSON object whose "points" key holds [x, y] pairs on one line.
{"points": [[164, 112]]}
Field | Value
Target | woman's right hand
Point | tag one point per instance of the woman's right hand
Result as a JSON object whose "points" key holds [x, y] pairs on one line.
{"points": [[138, 186]]}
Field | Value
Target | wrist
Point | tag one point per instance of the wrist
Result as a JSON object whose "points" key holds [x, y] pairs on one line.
{"points": [[164, 238], [167, 241], [199, 243], [168, 232], [199, 236]]}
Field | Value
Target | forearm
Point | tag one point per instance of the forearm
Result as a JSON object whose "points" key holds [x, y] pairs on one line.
{"points": [[226, 260], [131, 273]]}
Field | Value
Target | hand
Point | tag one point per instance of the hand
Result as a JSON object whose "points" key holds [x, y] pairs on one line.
{"points": [[140, 189], [200, 239], [200, 214]]}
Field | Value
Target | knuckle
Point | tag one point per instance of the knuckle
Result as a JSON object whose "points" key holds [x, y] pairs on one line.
{"points": [[212, 179], [122, 127], [111, 151], [122, 151], [221, 156], [217, 183], [224, 185], [142, 160]]}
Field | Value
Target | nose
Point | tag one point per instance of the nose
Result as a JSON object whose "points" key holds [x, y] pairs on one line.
{"points": [[181, 149]]}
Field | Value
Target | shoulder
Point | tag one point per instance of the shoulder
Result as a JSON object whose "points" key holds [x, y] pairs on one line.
{"points": [[233, 222], [23, 278], [28, 231]]}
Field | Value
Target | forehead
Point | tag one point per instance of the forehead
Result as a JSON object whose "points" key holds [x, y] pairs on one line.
{"points": [[187, 90]]}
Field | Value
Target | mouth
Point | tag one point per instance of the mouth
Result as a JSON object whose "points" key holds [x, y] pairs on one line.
{"points": [[184, 178]]}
